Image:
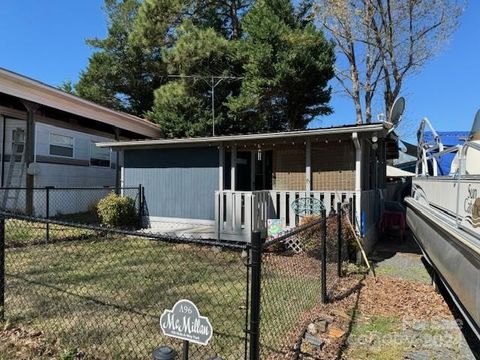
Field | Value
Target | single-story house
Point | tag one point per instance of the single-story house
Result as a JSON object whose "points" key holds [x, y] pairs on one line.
{"points": [[48, 137], [227, 186]]}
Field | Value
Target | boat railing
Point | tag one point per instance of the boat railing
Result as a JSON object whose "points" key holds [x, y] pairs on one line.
{"points": [[423, 161]]}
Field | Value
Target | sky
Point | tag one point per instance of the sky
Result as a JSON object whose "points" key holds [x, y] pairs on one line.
{"points": [[45, 40]]}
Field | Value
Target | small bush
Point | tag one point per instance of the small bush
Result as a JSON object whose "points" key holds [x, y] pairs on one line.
{"points": [[117, 211]]}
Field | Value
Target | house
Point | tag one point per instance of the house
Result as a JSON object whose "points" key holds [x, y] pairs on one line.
{"points": [[226, 186], [48, 137]]}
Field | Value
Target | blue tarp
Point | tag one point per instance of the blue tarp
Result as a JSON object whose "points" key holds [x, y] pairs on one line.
{"points": [[448, 139]]}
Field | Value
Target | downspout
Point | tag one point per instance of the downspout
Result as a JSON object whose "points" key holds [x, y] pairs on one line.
{"points": [[358, 177]]}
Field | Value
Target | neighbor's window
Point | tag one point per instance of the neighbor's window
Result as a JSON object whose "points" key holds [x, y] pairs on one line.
{"points": [[61, 145], [99, 156]]}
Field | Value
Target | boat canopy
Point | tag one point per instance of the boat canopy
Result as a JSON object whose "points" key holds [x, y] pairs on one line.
{"points": [[449, 139]]}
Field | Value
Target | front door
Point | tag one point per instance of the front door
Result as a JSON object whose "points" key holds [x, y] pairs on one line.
{"points": [[263, 170], [243, 171]]}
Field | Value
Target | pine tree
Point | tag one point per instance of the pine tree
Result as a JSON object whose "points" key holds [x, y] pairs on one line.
{"points": [[288, 63]]}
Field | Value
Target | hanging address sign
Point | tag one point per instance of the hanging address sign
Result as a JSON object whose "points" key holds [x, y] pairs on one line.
{"points": [[184, 322]]}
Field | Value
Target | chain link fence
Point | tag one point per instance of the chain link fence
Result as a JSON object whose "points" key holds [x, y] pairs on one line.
{"points": [[75, 204], [299, 271], [102, 291]]}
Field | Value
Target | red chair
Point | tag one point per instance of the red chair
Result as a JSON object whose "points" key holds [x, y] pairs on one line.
{"points": [[393, 219]]}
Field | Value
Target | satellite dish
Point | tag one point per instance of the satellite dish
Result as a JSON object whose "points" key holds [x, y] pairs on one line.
{"points": [[397, 111], [475, 132]]}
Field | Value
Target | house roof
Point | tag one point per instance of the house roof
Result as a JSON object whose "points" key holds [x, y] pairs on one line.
{"points": [[22, 87], [379, 128]]}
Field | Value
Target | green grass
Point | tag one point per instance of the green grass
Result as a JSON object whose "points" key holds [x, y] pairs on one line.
{"points": [[25, 233], [106, 296]]}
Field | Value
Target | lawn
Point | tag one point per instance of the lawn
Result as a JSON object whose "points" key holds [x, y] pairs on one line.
{"points": [[104, 296], [24, 233]]}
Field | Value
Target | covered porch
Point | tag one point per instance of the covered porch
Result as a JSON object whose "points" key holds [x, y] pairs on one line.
{"points": [[225, 187]]}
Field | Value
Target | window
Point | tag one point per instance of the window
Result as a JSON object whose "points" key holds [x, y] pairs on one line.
{"points": [[61, 145], [18, 139], [99, 156]]}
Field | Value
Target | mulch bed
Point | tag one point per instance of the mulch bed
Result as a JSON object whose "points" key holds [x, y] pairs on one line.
{"points": [[356, 293]]}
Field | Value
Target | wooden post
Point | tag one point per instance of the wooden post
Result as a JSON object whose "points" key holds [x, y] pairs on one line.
{"points": [[233, 170], [221, 166], [117, 162], [308, 166], [252, 170], [29, 153]]}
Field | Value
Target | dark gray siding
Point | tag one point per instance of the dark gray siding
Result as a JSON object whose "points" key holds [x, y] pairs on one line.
{"points": [[178, 183]]}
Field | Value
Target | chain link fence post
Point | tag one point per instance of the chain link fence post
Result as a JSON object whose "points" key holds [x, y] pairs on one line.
{"points": [[339, 240], [2, 267], [255, 293], [47, 212], [324, 257], [140, 206]]}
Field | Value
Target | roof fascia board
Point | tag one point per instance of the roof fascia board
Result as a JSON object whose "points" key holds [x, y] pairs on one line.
{"points": [[188, 142]]}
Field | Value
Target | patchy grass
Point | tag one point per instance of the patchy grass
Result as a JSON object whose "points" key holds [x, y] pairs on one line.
{"points": [[381, 325], [24, 233], [105, 296]]}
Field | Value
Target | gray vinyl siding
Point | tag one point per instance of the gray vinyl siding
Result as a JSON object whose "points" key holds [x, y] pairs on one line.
{"points": [[179, 183]]}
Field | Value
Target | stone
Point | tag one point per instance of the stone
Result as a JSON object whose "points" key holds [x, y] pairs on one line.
{"points": [[341, 313], [314, 341], [335, 332], [321, 325], [312, 329]]}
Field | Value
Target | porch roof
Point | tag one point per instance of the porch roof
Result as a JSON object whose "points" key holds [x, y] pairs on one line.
{"points": [[380, 129], [22, 87]]}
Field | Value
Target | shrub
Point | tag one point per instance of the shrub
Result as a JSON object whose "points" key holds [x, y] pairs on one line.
{"points": [[117, 211], [311, 237]]}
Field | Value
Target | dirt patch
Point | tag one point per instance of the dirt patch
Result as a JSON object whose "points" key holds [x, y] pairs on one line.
{"points": [[20, 344], [17, 343]]}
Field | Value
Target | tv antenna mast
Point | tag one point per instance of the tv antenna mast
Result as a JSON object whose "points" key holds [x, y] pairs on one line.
{"points": [[212, 81]]}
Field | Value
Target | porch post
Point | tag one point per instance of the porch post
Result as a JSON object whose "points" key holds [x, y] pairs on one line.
{"points": [[117, 162], [221, 166], [308, 166], [233, 173], [29, 153], [358, 177], [252, 170]]}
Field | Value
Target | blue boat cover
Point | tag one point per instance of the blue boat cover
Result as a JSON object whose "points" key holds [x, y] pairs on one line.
{"points": [[448, 139]]}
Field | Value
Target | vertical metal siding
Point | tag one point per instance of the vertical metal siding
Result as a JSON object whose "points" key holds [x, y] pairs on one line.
{"points": [[179, 183]]}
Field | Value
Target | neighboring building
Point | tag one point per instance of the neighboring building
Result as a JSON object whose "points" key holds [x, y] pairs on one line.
{"points": [[55, 135], [226, 186]]}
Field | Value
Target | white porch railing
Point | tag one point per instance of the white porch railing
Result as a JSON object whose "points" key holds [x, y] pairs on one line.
{"points": [[238, 213]]}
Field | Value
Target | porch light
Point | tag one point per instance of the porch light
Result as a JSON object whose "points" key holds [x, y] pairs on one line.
{"points": [[374, 138], [259, 154]]}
